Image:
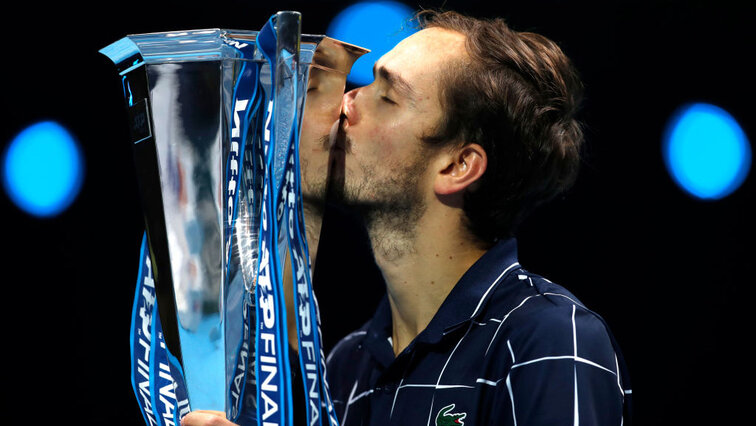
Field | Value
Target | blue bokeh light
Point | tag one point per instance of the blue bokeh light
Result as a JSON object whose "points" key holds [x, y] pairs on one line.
{"points": [[375, 25], [706, 151], [43, 169]]}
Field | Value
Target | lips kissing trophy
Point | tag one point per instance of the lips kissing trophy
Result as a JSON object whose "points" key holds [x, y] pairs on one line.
{"points": [[215, 120]]}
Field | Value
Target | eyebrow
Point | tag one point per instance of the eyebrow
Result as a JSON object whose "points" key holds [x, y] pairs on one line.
{"points": [[397, 82]]}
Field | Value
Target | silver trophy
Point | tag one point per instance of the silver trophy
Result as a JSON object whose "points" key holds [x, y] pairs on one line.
{"points": [[217, 120]]}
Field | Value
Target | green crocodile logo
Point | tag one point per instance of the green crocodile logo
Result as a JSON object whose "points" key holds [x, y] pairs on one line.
{"points": [[445, 418]]}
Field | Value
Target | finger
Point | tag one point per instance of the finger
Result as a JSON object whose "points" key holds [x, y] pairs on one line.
{"points": [[205, 418], [214, 412]]}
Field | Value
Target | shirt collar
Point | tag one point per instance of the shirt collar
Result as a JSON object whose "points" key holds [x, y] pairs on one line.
{"points": [[469, 295], [464, 302]]}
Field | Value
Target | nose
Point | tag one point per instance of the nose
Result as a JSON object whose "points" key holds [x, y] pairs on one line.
{"points": [[348, 107]]}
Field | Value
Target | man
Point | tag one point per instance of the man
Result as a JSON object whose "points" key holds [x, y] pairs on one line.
{"points": [[467, 127]]}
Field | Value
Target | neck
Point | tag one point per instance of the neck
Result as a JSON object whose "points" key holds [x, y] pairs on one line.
{"points": [[420, 268]]}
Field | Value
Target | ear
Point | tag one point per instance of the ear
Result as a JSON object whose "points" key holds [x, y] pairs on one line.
{"points": [[461, 169]]}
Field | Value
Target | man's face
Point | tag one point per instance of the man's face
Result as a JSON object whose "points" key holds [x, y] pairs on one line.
{"points": [[384, 161]]}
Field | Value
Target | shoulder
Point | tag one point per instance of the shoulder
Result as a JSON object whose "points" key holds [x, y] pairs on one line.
{"points": [[541, 319], [550, 347], [345, 364], [348, 345]]}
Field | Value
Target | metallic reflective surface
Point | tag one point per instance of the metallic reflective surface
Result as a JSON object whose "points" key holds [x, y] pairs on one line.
{"points": [[330, 66], [191, 78], [187, 119]]}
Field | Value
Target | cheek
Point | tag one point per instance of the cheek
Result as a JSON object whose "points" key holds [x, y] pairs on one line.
{"points": [[382, 141], [383, 138], [314, 127]]}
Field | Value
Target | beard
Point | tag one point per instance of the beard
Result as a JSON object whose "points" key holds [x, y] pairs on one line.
{"points": [[315, 182], [389, 205]]}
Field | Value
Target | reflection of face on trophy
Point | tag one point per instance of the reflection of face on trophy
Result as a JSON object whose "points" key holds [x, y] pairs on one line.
{"points": [[328, 72], [325, 89]]}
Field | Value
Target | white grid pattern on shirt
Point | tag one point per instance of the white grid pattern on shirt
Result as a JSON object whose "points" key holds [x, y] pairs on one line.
{"points": [[574, 356]]}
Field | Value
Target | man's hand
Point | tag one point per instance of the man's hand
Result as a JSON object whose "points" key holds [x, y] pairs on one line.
{"points": [[206, 418]]}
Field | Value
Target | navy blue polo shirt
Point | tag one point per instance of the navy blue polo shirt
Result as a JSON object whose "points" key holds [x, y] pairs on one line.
{"points": [[506, 347]]}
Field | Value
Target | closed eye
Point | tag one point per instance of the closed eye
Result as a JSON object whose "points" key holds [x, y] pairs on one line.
{"points": [[386, 99]]}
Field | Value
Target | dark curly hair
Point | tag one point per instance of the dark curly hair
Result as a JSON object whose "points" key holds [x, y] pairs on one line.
{"points": [[516, 95]]}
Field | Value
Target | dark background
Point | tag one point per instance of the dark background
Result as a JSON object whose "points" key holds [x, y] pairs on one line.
{"points": [[670, 274]]}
